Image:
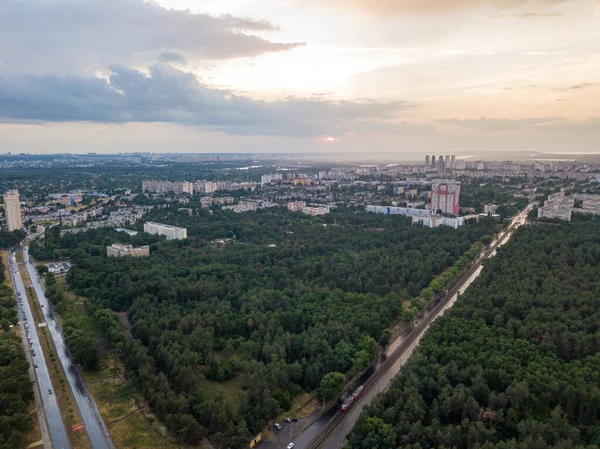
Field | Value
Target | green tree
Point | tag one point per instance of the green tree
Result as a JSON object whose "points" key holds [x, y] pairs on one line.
{"points": [[331, 385]]}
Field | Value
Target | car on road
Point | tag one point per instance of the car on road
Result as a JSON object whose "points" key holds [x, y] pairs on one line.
{"points": [[49, 390], [290, 446], [33, 353], [35, 365], [277, 426], [288, 419]]}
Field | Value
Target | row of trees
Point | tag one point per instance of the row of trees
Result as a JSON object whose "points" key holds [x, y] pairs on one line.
{"points": [[514, 364], [15, 387], [9, 239], [82, 343], [280, 318]]}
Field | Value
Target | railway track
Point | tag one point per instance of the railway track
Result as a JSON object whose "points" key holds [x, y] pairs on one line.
{"points": [[323, 436]]}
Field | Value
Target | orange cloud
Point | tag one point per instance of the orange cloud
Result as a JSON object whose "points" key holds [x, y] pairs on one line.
{"points": [[399, 7]]}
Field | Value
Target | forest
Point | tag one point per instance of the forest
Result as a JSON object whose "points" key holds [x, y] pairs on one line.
{"points": [[275, 309], [16, 391], [514, 364]]}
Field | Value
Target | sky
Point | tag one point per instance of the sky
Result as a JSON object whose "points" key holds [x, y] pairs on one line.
{"points": [[356, 76]]}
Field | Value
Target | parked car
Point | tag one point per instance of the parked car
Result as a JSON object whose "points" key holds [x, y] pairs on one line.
{"points": [[35, 365], [290, 446], [288, 420], [277, 426], [294, 419], [49, 391]]}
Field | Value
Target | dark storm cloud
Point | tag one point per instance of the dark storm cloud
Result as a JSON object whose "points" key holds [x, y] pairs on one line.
{"points": [[173, 96], [66, 36]]}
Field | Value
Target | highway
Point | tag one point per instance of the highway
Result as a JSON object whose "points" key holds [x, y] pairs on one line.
{"points": [[56, 425], [330, 430], [94, 424]]}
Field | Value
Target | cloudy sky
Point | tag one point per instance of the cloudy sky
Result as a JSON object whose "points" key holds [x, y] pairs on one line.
{"points": [[300, 75]]}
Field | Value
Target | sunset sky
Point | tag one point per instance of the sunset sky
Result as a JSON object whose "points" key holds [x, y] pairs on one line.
{"points": [[356, 76]]}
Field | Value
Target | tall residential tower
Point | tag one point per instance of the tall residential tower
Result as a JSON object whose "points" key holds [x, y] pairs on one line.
{"points": [[445, 195], [12, 209]]}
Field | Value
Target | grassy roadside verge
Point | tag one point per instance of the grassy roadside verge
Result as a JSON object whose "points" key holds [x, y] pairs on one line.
{"points": [[66, 402], [127, 416]]}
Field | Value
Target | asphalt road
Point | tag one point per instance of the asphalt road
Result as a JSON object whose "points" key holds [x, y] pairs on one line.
{"points": [[338, 436], [58, 431], [94, 424], [344, 421]]}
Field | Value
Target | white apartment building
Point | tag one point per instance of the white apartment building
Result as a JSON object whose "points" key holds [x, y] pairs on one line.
{"points": [[406, 211], [270, 177], [490, 209], [314, 211], [169, 231], [12, 210], [210, 187], [437, 220], [296, 206], [122, 250], [206, 201]]}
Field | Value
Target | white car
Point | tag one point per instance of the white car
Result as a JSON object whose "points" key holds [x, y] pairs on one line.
{"points": [[290, 446]]}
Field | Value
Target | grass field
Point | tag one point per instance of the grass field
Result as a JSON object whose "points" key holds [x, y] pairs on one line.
{"points": [[129, 420], [231, 391]]}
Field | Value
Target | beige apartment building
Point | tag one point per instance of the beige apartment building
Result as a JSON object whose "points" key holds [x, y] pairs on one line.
{"points": [[12, 209]]}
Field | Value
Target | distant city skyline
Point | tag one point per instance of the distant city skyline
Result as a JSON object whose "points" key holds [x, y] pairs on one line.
{"points": [[300, 76]]}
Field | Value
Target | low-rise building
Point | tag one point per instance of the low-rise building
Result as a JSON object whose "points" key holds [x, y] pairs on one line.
{"points": [[438, 220], [296, 206], [406, 211], [314, 211], [558, 205], [169, 231], [122, 250], [490, 209]]}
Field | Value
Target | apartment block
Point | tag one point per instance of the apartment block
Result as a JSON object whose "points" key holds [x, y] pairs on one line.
{"points": [[123, 250], [12, 209], [169, 231]]}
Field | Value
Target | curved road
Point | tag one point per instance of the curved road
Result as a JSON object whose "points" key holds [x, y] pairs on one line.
{"points": [[94, 424], [44, 381]]}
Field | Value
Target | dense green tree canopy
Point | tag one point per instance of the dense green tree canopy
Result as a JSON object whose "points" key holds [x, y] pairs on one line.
{"points": [[514, 364], [289, 299], [15, 387]]}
